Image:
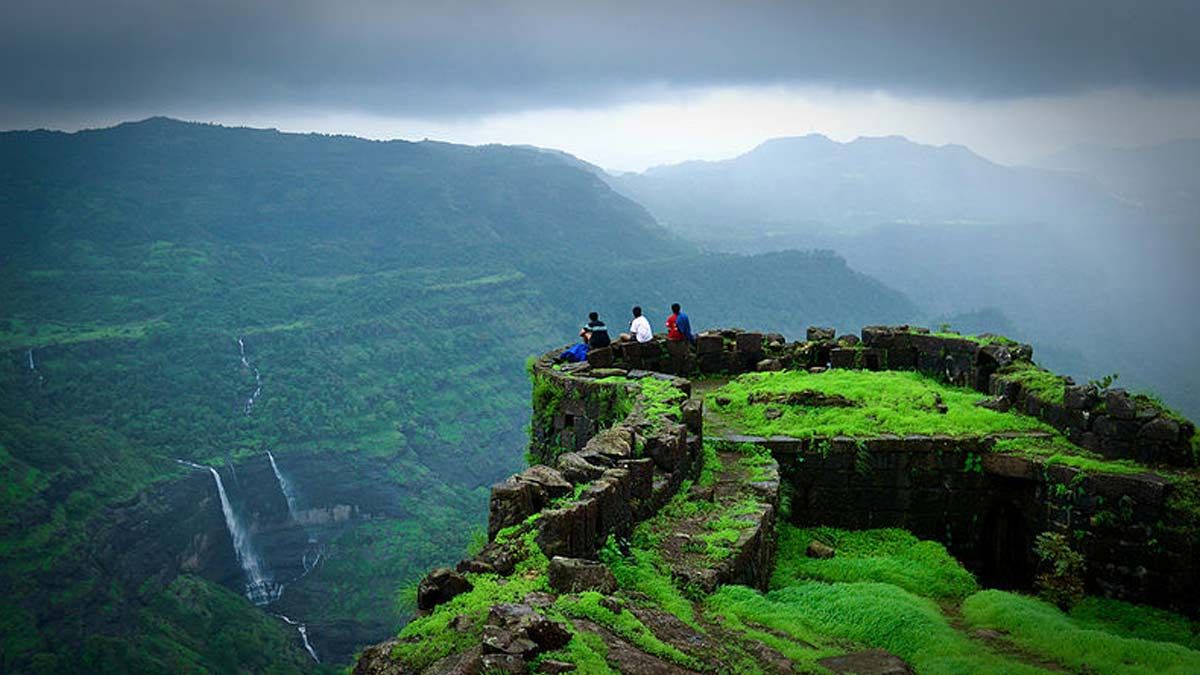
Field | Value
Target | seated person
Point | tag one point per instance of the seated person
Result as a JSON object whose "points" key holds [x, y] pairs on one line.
{"points": [[595, 333]]}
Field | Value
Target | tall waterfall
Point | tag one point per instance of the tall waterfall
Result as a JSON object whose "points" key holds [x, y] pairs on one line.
{"points": [[261, 588], [31, 364], [285, 486]]}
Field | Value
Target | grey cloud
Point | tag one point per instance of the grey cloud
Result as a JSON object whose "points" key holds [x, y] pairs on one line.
{"points": [[460, 58]]}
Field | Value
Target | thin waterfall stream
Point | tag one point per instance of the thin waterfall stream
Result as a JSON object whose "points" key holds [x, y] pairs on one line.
{"points": [[303, 630], [257, 378]]}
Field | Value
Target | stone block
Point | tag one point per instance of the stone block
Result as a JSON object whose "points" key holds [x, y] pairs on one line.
{"points": [[749, 342], [546, 484], [575, 469], [710, 344], [1081, 397], [511, 503], [818, 333], [575, 575], [569, 531], [768, 365], [641, 476], [668, 447], [440, 585], [693, 415], [878, 336], [843, 358], [1119, 405], [1160, 429]]}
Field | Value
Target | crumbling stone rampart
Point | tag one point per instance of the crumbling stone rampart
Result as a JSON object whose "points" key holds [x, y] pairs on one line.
{"points": [[1138, 535]]}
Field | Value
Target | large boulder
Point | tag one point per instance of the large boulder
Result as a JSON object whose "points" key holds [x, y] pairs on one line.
{"points": [[576, 469], [519, 629], [440, 585], [575, 575]]}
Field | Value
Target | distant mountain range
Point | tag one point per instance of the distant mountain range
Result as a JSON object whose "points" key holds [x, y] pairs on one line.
{"points": [[1091, 254], [812, 185]]}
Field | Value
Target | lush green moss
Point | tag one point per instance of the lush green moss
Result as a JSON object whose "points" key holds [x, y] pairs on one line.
{"points": [[977, 339], [661, 399], [887, 402], [644, 571], [588, 605], [874, 614], [722, 532], [1041, 383], [1136, 621], [890, 556], [586, 650], [1042, 628], [547, 398], [429, 638], [710, 466], [1058, 450]]}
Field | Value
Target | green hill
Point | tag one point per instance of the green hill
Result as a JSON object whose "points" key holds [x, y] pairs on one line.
{"points": [[384, 296]]}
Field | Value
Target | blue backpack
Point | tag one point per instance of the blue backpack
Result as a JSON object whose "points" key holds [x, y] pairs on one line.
{"points": [[575, 354]]}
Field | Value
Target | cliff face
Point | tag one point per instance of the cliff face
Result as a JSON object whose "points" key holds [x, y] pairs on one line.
{"points": [[648, 498]]}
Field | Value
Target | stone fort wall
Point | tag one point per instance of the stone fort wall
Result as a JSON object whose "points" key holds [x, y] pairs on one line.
{"points": [[1138, 532]]}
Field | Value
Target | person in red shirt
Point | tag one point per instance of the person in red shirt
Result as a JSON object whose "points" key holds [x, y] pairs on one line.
{"points": [[678, 326]]}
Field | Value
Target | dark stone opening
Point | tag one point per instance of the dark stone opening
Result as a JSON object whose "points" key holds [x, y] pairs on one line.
{"points": [[985, 365], [1006, 548]]}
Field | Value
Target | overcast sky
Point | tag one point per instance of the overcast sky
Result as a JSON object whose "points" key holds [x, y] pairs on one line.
{"points": [[622, 84]]}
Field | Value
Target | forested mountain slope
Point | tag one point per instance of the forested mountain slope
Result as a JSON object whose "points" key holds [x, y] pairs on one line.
{"points": [[361, 310]]}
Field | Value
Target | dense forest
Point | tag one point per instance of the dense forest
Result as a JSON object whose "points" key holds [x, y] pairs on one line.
{"points": [[174, 291]]}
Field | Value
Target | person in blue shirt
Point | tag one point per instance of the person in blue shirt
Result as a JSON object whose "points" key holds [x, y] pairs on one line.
{"points": [[679, 328]]}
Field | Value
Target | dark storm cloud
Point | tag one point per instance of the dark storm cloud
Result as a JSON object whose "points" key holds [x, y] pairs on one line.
{"points": [[445, 58]]}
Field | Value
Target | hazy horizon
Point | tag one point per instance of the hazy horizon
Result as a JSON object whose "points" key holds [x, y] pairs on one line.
{"points": [[624, 85], [750, 146]]}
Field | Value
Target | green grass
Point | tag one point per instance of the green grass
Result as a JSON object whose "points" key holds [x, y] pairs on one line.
{"points": [[977, 339], [644, 571], [1136, 621], [1057, 450], [587, 605], [586, 650], [710, 465], [1041, 383], [429, 638], [661, 399], [724, 531], [889, 402], [866, 613], [889, 556], [1076, 643]]}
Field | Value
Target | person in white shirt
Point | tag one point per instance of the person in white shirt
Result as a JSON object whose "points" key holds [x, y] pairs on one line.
{"points": [[641, 326]]}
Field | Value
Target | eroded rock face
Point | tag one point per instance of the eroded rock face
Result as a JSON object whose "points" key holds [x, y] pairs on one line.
{"points": [[440, 585], [575, 575], [518, 497]]}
